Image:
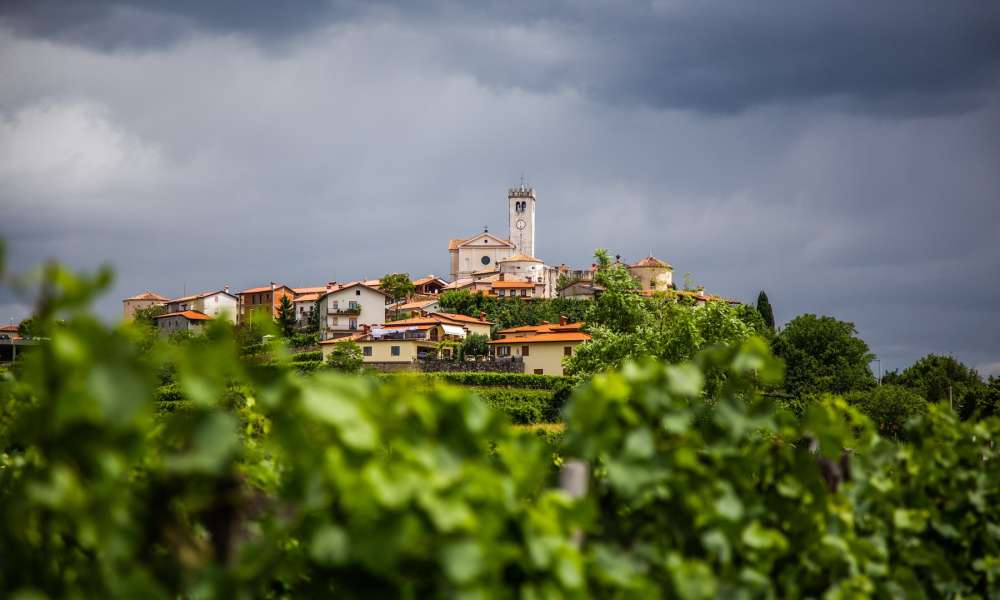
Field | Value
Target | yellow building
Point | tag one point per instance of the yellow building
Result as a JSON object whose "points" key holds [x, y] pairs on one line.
{"points": [[653, 274], [401, 343], [542, 347]]}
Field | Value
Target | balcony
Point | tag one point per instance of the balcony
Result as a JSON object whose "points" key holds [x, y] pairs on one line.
{"points": [[345, 311]]}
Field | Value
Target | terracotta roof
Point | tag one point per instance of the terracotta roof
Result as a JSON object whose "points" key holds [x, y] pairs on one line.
{"points": [[351, 284], [428, 279], [9, 328], [513, 284], [196, 296], [191, 315], [349, 338], [462, 318], [652, 261], [266, 288], [147, 295], [372, 282], [460, 283], [520, 258], [576, 336], [396, 325], [319, 289], [308, 297], [418, 304], [454, 243], [543, 328]]}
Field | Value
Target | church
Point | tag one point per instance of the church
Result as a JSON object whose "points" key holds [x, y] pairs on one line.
{"points": [[504, 266]]}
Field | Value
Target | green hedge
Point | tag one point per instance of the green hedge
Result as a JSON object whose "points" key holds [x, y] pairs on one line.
{"points": [[523, 406], [490, 379], [307, 366], [310, 356]]}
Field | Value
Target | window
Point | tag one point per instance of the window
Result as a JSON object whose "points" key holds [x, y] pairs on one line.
{"points": [[353, 305], [366, 350], [524, 350], [567, 350], [539, 371], [394, 350], [500, 293], [524, 293], [357, 292], [485, 260], [352, 324]]}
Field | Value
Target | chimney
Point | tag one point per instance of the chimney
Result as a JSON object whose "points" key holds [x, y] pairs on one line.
{"points": [[273, 286], [226, 289], [330, 284], [482, 316], [563, 320]]}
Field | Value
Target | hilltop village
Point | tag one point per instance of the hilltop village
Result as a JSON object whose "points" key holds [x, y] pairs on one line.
{"points": [[396, 332]]}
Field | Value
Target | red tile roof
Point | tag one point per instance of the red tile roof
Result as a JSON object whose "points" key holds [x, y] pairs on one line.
{"points": [[462, 318], [652, 261], [577, 336], [191, 315], [513, 284], [318, 289], [197, 296], [428, 279], [9, 328], [147, 295], [266, 288], [543, 328], [308, 297], [454, 243]]}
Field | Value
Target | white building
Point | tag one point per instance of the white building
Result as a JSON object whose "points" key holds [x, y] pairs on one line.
{"points": [[346, 308], [484, 250], [214, 304]]}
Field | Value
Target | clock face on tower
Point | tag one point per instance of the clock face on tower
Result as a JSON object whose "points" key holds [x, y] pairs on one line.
{"points": [[520, 224]]}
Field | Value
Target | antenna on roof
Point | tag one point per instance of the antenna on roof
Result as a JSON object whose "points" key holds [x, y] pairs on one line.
{"points": [[486, 228]]}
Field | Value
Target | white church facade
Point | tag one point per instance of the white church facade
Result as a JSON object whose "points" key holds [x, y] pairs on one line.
{"points": [[489, 263]]}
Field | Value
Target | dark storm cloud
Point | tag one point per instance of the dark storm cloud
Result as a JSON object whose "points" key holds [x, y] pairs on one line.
{"points": [[897, 57], [841, 156]]}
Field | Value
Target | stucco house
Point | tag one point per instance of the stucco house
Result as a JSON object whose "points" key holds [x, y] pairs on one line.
{"points": [[264, 299], [218, 304], [344, 309], [187, 320], [146, 299], [542, 348]]}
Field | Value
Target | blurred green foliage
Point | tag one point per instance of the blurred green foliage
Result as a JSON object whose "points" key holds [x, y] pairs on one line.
{"points": [[254, 481]]}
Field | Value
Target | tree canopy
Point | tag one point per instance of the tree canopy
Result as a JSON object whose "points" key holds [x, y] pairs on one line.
{"points": [[764, 308], [286, 316], [823, 354]]}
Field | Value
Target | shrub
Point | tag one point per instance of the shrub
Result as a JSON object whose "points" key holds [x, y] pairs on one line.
{"points": [[889, 407], [307, 366], [523, 406], [490, 379], [168, 393], [345, 357], [310, 356]]}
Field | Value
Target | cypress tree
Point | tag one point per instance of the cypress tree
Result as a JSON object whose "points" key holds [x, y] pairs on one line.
{"points": [[764, 308]]}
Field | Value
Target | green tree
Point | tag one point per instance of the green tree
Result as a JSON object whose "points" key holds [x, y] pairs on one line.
{"points": [[823, 354], [764, 308], [345, 357], [147, 316], [398, 287], [30, 328], [889, 407], [475, 344], [286, 317], [944, 379]]}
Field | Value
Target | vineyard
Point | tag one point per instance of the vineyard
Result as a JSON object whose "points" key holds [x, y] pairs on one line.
{"points": [[132, 467]]}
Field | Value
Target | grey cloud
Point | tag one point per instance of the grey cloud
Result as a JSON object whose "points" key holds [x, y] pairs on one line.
{"points": [[894, 58], [372, 137]]}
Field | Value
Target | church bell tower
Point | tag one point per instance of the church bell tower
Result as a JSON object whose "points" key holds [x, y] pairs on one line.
{"points": [[521, 218]]}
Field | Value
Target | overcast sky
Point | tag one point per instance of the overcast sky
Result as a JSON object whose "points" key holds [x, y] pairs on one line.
{"points": [[842, 156]]}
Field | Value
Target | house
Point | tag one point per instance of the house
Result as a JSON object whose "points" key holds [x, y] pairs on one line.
{"points": [[431, 285], [399, 344], [409, 309], [305, 304], [581, 290], [146, 299], [543, 347], [478, 325], [264, 299], [219, 304], [187, 320], [524, 290], [653, 274], [343, 309]]}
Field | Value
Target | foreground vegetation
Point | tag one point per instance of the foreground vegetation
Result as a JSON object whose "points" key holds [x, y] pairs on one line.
{"points": [[276, 484]]}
